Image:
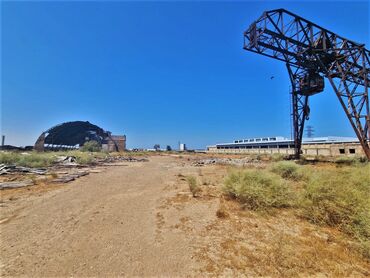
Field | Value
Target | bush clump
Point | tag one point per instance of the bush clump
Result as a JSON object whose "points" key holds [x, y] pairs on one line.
{"points": [[258, 189], [193, 185], [91, 146], [287, 170], [337, 197], [46, 159], [340, 198], [349, 160], [31, 159], [278, 157]]}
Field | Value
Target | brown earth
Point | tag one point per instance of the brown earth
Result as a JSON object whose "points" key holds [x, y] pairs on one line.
{"points": [[140, 219]]}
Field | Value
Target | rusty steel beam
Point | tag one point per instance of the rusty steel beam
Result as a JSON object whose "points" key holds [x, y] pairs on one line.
{"points": [[312, 52]]}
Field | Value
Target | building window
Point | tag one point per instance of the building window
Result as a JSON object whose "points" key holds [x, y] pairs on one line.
{"points": [[342, 151], [352, 151]]}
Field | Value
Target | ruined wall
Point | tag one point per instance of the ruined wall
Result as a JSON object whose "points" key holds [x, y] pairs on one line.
{"points": [[115, 143], [39, 145]]}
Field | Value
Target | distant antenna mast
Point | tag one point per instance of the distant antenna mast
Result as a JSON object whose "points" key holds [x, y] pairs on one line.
{"points": [[310, 131]]}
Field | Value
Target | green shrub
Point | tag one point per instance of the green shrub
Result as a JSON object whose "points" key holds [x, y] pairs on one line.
{"points": [[31, 159], [278, 157], [340, 198], [258, 189], [85, 158], [337, 197], [9, 157], [36, 160], [349, 160], [193, 185], [45, 159], [287, 170], [91, 146]]}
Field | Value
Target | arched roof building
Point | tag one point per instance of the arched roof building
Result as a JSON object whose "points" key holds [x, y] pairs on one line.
{"points": [[72, 135]]}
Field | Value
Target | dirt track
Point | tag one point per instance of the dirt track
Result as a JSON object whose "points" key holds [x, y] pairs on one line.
{"points": [[105, 223], [140, 219]]}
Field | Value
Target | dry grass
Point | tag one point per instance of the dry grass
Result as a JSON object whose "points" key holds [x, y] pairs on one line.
{"points": [[287, 170], [193, 186], [259, 189], [250, 244], [337, 197], [222, 210], [239, 242], [340, 198], [45, 159], [31, 159]]}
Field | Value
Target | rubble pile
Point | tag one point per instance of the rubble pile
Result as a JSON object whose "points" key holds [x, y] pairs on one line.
{"points": [[67, 160], [67, 177], [7, 169], [111, 159], [240, 162], [65, 169], [15, 184]]}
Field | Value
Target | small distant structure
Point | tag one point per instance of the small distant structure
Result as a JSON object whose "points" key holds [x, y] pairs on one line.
{"points": [[182, 147], [114, 143], [310, 132], [2, 140]]}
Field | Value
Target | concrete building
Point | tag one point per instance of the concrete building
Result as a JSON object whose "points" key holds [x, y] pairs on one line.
{"points": [[182, 147], [114, 143], [326, 146]]}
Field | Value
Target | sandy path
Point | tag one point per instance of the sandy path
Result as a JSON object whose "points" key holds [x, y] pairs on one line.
{"points": [[104, 223]]}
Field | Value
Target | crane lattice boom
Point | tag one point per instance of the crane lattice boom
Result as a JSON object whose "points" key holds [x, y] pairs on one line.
{"points": [[312, 53]]}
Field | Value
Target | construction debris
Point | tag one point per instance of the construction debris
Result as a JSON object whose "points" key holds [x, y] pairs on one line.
{"points": [[65, 169], [15, 184], [70, 177], [6, 169], [67, 160], [227, 161], [111, 159]]}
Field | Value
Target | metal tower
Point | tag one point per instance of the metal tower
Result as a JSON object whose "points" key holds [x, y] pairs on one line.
{"points": [[311, 53], [310, 131]]}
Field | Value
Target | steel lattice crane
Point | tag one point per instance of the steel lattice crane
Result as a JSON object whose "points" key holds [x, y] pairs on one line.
{"points": [[312, 53]]}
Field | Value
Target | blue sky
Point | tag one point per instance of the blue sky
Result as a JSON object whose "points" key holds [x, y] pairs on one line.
{"points": [[159, 72]]}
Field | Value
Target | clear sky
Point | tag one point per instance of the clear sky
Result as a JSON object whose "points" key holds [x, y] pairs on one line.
{"points": [[159, 72]]}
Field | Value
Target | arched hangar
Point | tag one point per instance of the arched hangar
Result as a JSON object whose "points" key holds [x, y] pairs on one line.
{"points": [[73, 135]]}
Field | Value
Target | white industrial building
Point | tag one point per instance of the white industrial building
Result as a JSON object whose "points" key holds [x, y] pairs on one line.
{"points": [[328, 146]]}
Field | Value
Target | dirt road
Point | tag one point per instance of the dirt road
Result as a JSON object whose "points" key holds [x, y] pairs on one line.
{"points": [[140, 219], [105, 223]]}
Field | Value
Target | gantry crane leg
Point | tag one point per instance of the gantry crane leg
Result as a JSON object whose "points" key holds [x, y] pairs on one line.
{"points": [[300, 108]]}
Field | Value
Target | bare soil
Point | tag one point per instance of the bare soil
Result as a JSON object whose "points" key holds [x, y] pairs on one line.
{"points": [[140, 219]]}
